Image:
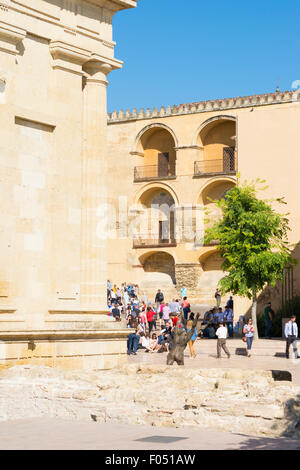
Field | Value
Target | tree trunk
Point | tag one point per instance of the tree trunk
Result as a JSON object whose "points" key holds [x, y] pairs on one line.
{"points": [[253, 315]]}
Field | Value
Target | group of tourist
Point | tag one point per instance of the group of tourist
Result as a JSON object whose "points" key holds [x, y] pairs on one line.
{"points": [[215, 316], [153, 323]]}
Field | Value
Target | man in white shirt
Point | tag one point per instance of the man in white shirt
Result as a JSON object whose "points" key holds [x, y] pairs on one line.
{"points": [[145, 298], [291, 334], [173, 306], [221, 333]]}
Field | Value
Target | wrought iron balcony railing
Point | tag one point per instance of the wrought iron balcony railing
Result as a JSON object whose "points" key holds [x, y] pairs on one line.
{"points": [[220, 166], [154, 172], [144, 242]]}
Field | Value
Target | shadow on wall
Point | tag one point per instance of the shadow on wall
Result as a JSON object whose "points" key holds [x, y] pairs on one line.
{"points": [[159, 273], [281, 296]]}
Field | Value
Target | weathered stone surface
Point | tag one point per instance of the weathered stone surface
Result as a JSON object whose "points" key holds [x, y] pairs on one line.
{"points": [[244, 401]]}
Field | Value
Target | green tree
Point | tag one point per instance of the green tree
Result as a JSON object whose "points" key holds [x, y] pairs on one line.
{"points": [[253, 242]]}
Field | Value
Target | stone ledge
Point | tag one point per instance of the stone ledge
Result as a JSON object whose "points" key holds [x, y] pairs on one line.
{"points": [[55, 335], [74, 311], [9, 310]]}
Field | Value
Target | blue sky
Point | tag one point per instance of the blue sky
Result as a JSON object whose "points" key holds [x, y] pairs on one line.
{"points": [[178, 52]]}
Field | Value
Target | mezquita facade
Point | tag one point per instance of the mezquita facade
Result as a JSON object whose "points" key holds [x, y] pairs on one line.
{"points": [[65, 162]]}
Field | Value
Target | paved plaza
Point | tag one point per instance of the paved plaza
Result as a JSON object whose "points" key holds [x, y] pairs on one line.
{"points": [[266, 354], [57, 434]]}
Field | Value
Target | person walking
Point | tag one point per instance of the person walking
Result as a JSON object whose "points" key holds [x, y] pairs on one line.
{"points": [[185, 307], [183, 291], [150, 315], [248, 331], [291, 334], [145, 298], [221, 334], [173, 307], [166, 313], [159, 298], [194, 337], [218, 297]]}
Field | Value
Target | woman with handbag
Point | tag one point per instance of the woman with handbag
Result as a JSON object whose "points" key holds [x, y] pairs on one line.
{"points": [[249, 335]]}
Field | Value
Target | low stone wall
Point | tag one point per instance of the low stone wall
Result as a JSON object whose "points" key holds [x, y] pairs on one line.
{"points": [[239, 401], [75, 349]]}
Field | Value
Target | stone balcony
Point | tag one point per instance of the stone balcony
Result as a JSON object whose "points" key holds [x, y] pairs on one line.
{"points": [[213, 167], [153, 172]]}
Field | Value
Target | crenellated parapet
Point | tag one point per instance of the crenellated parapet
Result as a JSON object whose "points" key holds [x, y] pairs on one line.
{"points": [[205, 106]]}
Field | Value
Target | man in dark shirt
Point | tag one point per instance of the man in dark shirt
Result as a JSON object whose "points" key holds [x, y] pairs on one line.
{"points": [[159, 298], [230, 303], [269, 316], [116, 313]]}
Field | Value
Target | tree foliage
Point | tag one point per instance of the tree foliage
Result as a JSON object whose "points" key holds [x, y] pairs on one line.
{"points": [[253, 240]]}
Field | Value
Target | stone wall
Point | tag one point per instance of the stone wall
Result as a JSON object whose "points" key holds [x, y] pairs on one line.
{"points": [[188, 275], [251, 402]]}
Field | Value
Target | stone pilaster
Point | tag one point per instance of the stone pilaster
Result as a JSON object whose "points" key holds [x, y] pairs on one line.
{"points": [[94, 184]]}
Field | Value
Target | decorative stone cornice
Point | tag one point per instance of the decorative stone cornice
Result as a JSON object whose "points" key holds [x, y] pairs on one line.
{"points": [[10, 37], [115, 5], [72, 58], [206, 106], [68, 57]]}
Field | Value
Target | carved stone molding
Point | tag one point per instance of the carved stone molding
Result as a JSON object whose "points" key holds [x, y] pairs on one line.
{"points": [[68, 57], [10, 37], [98, 67]]}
